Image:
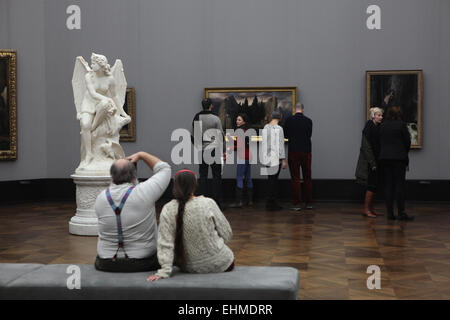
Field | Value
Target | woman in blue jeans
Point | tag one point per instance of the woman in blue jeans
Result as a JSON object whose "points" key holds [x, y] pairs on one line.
{"points": [[243, 170]]}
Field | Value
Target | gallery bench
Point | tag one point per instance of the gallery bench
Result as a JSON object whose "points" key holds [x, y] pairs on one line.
{"points": [[59, 281]]}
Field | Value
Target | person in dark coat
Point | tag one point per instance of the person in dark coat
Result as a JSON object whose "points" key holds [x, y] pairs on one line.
{"points": [[298, 130], [395, 143], [366, 169]]}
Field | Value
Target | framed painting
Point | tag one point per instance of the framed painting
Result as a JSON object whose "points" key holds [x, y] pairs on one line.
{"points": [[128, 132], [403, 88], [257, 103], [8, 105]]}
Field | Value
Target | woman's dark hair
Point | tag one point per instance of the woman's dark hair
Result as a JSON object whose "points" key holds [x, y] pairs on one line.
{"points": [[394, 113], [276, 114], [184, 186], [243, 116]]}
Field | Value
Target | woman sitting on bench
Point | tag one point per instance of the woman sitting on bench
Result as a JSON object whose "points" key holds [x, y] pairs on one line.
{"points": [[192, 232]]}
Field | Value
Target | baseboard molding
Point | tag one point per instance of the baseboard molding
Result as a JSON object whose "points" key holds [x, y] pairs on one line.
{"points": [[324, 190]]}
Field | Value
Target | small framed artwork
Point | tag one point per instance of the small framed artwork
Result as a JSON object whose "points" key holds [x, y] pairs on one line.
{"points": [[256, 102], [8, 105], [128, 132], [403, 88]]}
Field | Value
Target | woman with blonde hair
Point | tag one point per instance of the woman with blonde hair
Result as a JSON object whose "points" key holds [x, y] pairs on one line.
{"points": [[366, 169]]}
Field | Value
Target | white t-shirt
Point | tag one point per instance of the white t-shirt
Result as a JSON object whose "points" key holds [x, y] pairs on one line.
{"points": [[138, 216]]}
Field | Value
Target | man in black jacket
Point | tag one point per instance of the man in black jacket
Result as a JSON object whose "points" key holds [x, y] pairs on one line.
{"points": [[395, 143], [298, 129]]}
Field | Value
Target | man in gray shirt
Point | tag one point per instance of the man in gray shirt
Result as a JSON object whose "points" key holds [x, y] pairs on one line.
{"points": [[210, 142], [137, 217]]}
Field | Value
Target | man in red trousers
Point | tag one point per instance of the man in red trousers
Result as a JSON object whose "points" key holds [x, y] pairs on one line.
{"points": [[298, 129]]}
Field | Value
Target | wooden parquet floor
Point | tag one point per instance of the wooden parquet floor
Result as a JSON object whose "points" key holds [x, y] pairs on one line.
{"points": [[332, 246]]}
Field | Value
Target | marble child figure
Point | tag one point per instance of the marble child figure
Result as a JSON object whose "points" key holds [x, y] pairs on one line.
{"points": [[99, 93]]}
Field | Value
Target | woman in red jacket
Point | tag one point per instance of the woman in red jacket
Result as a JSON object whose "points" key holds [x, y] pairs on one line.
{"points": [[243, 170]]}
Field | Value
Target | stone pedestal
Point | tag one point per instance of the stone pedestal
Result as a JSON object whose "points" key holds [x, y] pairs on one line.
{"points": [[84, 223]]}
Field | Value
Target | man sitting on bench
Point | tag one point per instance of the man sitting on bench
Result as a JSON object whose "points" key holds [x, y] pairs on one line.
{"points": [[127, 228]]}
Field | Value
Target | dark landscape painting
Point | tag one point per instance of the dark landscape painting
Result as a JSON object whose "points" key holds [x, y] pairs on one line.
{"points": [[256, 103]]}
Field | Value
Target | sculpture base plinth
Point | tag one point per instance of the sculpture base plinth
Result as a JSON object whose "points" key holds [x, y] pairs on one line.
{"points": [[84, 223]]}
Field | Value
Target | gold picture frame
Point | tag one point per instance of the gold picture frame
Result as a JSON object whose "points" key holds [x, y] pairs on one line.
{"points": [[403, 88], [8, 105], [257, 102], [128, 132]]}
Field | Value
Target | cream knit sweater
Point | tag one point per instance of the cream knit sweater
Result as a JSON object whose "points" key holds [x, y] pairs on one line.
{"points": [[205, 234]]}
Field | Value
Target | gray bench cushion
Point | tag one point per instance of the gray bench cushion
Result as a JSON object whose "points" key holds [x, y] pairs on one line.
{"points": [[252, 283], [11, 271]]}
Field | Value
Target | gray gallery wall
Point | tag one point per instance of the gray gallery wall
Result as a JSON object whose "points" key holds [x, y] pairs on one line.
{"points": [[444, 110], [4, 22], [22, 28], [172, 49]]}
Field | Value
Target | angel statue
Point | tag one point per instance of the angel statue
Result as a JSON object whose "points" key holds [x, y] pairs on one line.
{"points": [[99, 93]]}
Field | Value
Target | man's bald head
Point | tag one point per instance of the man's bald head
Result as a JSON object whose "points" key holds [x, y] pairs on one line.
{"points": [[299, 107], [121, 163], [123, 171]]}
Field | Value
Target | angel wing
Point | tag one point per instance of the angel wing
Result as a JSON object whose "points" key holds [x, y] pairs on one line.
{"points": [[120, 81], [79, 82]]}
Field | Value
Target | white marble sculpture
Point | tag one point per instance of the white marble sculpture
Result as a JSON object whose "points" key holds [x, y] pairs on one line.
{"points": [[99, 93]]}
